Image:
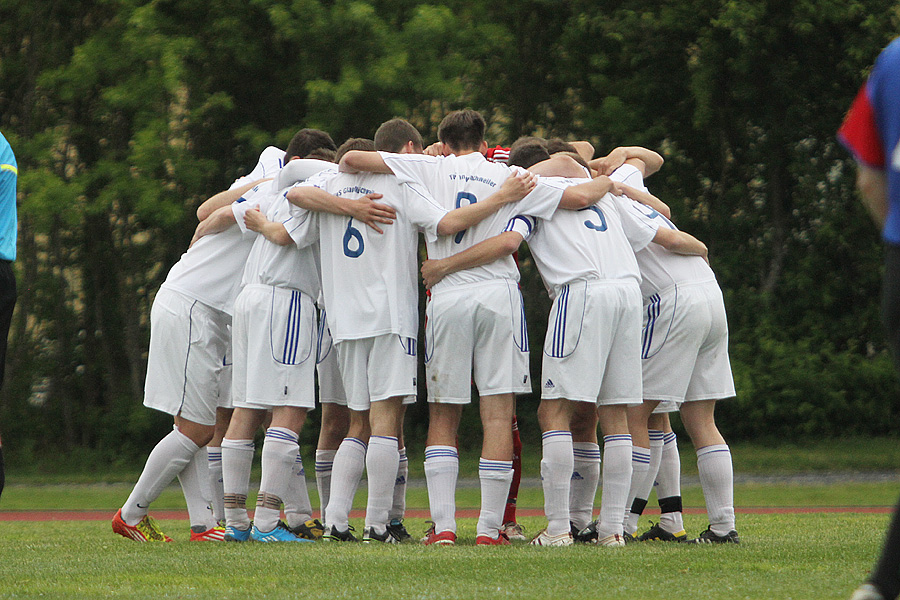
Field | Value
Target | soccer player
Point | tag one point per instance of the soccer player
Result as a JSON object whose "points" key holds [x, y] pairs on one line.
{"points": [[684, 360], [9, 173], [871, 132], [475, 321], [189, 337], [370, 294]]}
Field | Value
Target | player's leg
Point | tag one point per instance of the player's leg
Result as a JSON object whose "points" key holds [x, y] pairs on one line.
{"points": [[279, 458], [640, 462], [715, 469], [349, 463], [382, 462], [617, 452], [398, 502], [214, 455], [511, 528], [557, 463], [586, 472], [668, 479], [442, 470], [495, 469], [238, 449], [334, 428]]}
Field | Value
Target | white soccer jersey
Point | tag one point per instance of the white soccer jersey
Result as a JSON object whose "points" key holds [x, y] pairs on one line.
{"points": [[293, 266], [270, 161], [660, 268], [210, 271], [456, 181], [594, 243], [369, 280]]}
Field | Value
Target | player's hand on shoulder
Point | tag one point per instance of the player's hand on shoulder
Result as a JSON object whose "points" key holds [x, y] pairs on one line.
{"points": [[435, 149], [518, 185], [254, 219], [371, 213]]}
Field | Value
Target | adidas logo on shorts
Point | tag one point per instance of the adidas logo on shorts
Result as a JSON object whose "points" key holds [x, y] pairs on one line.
{"points": [[549, 384]]}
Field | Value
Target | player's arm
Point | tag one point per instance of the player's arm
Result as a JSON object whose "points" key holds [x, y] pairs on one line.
{"points": [[516, 187], [872, 186], [219, 220], [584, 149], [559, 165], [582, 195], [482, 253], [365, 209], [615, 159], [225, 198], [272, 231], [646, 198], [362, 160], [680, 242]]}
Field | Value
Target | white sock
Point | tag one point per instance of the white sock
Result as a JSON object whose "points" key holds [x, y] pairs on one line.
{"points": [[167, 459], [557, 466], [640, 466], [349, 462], [237, 460], [641, 487], [495, 477], [382, 463], [668, 484], [585, 480], [441, 472], [324, 464], [193, 479], [398, 507], [297, 507], [616, 483], [216, 484], [279, 453], [717, 479]]}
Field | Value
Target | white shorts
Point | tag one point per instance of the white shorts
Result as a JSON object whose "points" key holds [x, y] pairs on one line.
{"points": [[592, 352], [274, 348], [685, 345], [188, 343], [331, 388], [476, 331], [377, 368], [226, 376]]}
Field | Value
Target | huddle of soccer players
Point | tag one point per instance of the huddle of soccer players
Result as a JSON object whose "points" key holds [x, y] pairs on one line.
{"points": [[301, 231]]}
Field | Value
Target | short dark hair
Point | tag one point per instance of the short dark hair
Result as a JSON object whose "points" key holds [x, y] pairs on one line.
{"points": [[306, 141], [527, 154], [555, 145], [326, 154], [396, 133], [462, 130], [354, 144]]}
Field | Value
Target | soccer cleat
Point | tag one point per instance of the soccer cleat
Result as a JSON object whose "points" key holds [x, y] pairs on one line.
{"points": [[279, 534], [630, 539], [657, 533], [333, 534], [397, 529], [369, 536], [545, 539], [444, 538], [213, 534], [614, 540], [588, 535], [486, 540], [514, 532], [146, 530], [867, 591], [310, 530], [708, 537], [236, 534]]}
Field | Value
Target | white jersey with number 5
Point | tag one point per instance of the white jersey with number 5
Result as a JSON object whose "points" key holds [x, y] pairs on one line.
{"points": [[370, 280], [456, 181]]}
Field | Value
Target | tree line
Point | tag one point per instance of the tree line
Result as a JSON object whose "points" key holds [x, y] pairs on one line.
{"points": [[126, 114]]}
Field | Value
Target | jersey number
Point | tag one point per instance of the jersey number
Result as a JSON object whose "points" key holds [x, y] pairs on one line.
{"points": [[471, 199], [591, 225], [353, 233]]}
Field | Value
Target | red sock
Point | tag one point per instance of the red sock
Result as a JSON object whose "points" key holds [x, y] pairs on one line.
{"points": [[509, 516]]}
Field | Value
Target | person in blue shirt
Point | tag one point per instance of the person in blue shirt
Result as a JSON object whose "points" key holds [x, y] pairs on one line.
{"points": [[9, 173], [871, 132]]}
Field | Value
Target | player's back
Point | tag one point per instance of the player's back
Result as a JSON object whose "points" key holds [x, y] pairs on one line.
{"points": [[369, 279]]}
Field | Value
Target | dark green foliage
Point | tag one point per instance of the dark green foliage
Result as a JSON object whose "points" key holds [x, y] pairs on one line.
{"points": [[126, 114]]}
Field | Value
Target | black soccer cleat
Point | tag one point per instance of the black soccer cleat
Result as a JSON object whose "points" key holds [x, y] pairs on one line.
{"points": [[708, 537]]}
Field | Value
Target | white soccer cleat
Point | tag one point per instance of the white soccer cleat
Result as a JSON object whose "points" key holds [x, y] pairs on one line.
{"points": [[612, 541], [545, 539]]}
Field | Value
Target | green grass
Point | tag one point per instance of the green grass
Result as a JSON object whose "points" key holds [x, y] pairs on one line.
{"points": [[777, 559]]}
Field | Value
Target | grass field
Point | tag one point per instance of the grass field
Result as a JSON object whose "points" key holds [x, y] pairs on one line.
{"points": [[796, 556]]}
